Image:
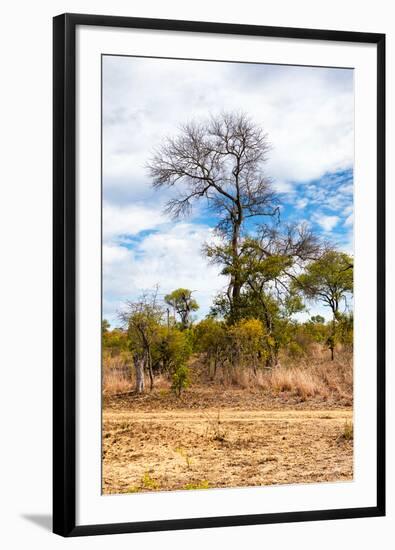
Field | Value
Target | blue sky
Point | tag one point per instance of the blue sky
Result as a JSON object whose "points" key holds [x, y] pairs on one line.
{"points": [[308, 114]]}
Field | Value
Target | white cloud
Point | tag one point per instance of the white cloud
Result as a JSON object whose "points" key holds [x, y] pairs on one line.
{"points": [[281, 186], [307, 112], [130, 219], [349, 220], [301, 203], [171, 258], [326, 222]]}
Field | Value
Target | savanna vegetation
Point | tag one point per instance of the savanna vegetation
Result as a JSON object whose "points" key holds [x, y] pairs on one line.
{"points": [[256, 349]]}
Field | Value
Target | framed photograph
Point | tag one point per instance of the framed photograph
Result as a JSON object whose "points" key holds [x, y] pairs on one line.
{"points": [[219, 275]]}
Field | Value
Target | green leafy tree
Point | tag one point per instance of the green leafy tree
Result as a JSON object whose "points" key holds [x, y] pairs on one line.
{"points": [[181, 379], [268, 264], [105, 326], [210, 337], [248, 342], [172, 349], [183, 303], [329, 280], [317, 319], [313, 330]]}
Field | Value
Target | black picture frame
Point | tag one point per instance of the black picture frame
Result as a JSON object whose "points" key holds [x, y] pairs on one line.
{"points": [[64, 273]]}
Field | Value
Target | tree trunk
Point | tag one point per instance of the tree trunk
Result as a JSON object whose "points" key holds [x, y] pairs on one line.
{"points": [[151, 374], [139, 370], [235, 278], [333, 341]]}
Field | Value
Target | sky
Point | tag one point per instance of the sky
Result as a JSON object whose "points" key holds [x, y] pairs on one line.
{"points": [[308, 114]]}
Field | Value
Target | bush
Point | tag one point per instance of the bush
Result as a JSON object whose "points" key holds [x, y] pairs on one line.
{"points": [[171, 349], [210, 338], [180, 379], [115, 341], [248, 342], [295, 351]]}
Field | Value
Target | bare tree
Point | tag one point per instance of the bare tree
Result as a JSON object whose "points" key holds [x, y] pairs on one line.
{"points": [[219, 160]]}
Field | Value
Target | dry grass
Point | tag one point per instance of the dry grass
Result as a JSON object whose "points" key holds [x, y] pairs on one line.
{"points": [[314, 385], [296, 381], [309, 377], [115, 382], [118, 377]]}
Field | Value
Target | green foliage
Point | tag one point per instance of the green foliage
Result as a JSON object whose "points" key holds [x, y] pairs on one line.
{"points": [[144, 329], [183, 304], [147, 482], [247, 339], [143, 320], [181, 379], [295, 350], [348, 432], [105, 326], [317, 329], [115, 341], [328, 279], [209, 335], [345, 329], [172, 348], [204, 484], [317, 319]]}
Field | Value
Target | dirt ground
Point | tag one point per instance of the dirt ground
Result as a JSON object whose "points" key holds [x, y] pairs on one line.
{"points": [[146, 450]]}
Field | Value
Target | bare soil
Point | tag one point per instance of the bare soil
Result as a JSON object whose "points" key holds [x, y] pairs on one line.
{"points": [[153, 443]]}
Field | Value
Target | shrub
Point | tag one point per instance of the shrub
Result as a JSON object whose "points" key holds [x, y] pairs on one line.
{"points": [[247, 341], [180, 379], [204, 484], [348, 432], [295, 351], [147, 482], [172, 349], [210, 338]]}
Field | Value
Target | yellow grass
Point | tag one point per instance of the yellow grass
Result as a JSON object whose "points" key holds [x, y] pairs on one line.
{"points": [[117, 375], [298, 381], [304, 378]]}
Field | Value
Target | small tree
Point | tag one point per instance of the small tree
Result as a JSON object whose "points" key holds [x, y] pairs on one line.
{"points": [[329, 280], [180, 379], [142, 319], [211, 339], [105, 326], [173, 348], [183, 304], [248, 342]]}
